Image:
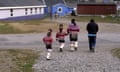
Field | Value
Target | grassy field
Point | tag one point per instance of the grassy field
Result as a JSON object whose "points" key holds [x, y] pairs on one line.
{"points": [[28, 26], [5, 28], [12, 60], [39, 26]]}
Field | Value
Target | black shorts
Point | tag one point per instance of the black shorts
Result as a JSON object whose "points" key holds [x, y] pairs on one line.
{"points": [[73, 38], [61, 41], [48, 46]]}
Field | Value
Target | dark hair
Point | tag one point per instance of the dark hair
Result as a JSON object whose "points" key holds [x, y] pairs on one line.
{"points": [[49, 34], [60, 25], [73, 21], [61, 29], [50, 30], [92, 20]]}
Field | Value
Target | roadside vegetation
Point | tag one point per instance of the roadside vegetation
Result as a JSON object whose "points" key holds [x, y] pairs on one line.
{"points": [[12, 60], [116, 52]]}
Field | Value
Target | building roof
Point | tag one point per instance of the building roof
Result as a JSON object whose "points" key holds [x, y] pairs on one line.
{"points": [[53, 2], [14, 3]]}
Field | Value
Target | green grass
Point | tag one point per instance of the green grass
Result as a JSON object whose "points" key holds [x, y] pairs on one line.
{"points": [[6, 29], [22, 60], [116, 52]]}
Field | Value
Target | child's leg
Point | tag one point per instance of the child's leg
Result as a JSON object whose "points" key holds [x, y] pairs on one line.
{"points": [[49, 53], [75, 45], [49, 50], [76, 42], [62, 46], [72, 45]]}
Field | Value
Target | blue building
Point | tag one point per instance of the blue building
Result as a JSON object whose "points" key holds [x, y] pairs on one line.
{"points": [[58, 7]]}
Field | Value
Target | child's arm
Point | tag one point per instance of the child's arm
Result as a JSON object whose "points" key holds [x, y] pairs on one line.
{"points": [[57, 36], [66, 33], [44, 40]]}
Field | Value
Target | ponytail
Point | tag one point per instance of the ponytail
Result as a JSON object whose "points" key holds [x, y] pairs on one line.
{"points": [[73, 22]]}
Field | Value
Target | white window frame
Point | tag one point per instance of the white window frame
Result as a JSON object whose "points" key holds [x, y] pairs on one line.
{"points": [[59, 11]]}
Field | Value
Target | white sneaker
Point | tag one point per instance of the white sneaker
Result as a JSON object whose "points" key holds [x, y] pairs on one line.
{"points": [[72, 49]]}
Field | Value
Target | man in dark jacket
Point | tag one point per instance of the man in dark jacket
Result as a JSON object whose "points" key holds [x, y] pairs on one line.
{"points": [[92, 29]]}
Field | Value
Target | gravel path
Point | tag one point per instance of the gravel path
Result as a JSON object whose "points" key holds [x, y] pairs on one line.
{"points": [[83, 60], [79, 61]]}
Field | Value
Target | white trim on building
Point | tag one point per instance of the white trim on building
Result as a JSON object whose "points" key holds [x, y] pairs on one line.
{"points": [[22, 7], [6, 12]]}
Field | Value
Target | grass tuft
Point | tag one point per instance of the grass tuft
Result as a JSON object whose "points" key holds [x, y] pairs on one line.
{"points": [[18, 60], [116, 52], [6, 28]]}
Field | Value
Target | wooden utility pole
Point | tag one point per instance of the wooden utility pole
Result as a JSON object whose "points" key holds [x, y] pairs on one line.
{"points": [[51, 4]]}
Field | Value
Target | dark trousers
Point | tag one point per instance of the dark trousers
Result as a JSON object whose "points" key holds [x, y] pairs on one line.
{"points": [[92, 42], [73, 37], [48, 46]]}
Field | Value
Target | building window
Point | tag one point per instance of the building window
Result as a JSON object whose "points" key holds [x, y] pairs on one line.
{"points": [[11, 12], [31, 10], [26, 10], [35, 10], [59, 10]]}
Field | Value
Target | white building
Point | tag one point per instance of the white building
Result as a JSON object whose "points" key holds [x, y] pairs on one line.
{"points": [[21, 9]]}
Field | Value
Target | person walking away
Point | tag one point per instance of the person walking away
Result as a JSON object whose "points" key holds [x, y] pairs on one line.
{"points": [[73, 30], [92, 29], [48, 43], [60, 37]]}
